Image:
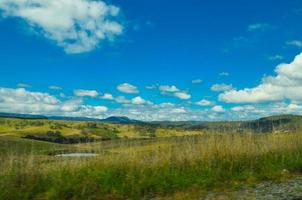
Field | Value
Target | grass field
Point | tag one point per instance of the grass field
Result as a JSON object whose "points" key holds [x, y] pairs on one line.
{"points": [[50, 130], [144, 169]]}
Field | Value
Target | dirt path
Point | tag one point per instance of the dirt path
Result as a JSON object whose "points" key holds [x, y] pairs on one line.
{"points": [[287, 190]]}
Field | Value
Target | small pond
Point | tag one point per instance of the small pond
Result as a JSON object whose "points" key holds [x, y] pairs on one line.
{"points": [[76, 155]]}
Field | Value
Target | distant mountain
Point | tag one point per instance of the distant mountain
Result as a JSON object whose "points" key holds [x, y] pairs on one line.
{"points": [[81, 119], [121, 120], [278, 123], [21, 116], [112, 119], [281, 117]]}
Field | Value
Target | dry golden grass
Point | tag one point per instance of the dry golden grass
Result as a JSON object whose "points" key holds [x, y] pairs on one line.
{"points": [[136, 169]]}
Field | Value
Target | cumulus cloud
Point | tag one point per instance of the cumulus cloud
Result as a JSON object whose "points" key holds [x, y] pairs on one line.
{"points": [[122, 99], [218, 109], [86, 93], [178, 110], [174, 112], [174, 91], [23, 101], [204, 102], [261, 110], [22, 95], [107, 96], [127, 88], [75, 25], [139, 101], [166, 105], [168, 88], [286, 84], [152, 87], [182, 95], [243, 108], [221, 87], [224, 74], [296, 43]]}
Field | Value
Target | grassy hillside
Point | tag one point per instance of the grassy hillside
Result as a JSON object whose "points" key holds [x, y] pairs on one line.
{"points": [[273, 124], [79, 132], [145, 169], [143, 161], [70, 132]]}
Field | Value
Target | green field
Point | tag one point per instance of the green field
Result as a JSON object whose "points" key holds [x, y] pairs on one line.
{"points": [[136, 166], [77, 132]]}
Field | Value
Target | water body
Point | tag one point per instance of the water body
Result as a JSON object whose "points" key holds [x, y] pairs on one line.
{"points": [[77, 155]]}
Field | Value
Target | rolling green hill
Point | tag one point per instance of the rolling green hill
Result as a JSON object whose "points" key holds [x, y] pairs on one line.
{"points": [[66, 132], [70, 132], [142, 161], [271, 124]]}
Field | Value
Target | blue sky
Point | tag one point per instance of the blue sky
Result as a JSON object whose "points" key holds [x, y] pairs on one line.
{"points": [[151, 60]]}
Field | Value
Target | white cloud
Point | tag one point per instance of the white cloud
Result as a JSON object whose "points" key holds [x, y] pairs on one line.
{"points": [[261, 110], [221, 87], [178, 110], [174, 91], [196, 81], [166, 105], [21, 95], [86, 93], [243, 108], [71, 105], [296, 43], [23, 85], [75, 25], [99, 109], [294, 107], [54, 87], [107, 96], [23, 101], [121, 99], [139, 101], [127, 88], [182, 95], [171, 112], [204, 102], [151, 87], [286, 84], [167, 88], [224, 74], [218, 109], [258, 27]]}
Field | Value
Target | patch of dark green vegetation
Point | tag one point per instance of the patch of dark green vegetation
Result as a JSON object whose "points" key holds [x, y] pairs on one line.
{"points": [[147, 130], [274, 124], [103, 131], [57, 137]]}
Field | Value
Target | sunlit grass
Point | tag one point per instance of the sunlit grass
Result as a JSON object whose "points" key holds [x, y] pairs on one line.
{"points": [[136, 169]]}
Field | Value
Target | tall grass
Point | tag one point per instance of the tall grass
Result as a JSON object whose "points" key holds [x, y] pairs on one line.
{"points": [[159, 167]]}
